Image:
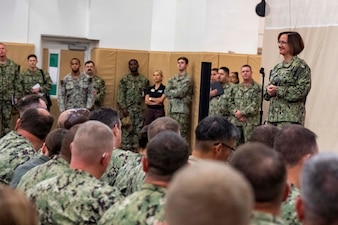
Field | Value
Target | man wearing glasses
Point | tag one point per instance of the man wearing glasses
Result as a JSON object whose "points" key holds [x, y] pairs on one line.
{"points": [[216, 139]]}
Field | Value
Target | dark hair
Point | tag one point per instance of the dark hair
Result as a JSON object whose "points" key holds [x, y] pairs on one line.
{"points": [[143, 137], [28, 102], [76, 116], [53, 141], [106, 115], [36, 122], [264, 134], [166, 153], [162, 124], [226, 69], [78, 60], [215, 128], [67, 139], [132, 60], [89, 61], [214, 69], [265, 170], [247, 65], [32, 55], [185, 59], [295, 141], [295, 42], [319, 193]]}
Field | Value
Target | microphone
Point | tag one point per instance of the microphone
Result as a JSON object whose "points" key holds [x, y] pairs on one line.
{"points": [[261, 71]]}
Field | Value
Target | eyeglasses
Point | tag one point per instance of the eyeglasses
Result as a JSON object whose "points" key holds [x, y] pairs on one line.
{"points": [[282, 42], [232, 149]]}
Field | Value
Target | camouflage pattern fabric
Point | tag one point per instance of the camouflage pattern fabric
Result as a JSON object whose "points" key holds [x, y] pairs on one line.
{"points": [[99, 86], [289, 213], [219, 105], [75, 197], [52, 168], [247, 100], [293, 81], [14, 151], [31, 78], [144, 207], [131, 97], [75, 93], [261, 218], [10, 87], [179, 91], [130, 177], [117, 161]]}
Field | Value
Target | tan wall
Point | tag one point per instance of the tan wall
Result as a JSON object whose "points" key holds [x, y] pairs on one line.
{"points": [[112, 65]]}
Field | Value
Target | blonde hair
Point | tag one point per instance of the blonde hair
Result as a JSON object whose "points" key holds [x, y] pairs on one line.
{"points": [[15, 208], [159, 71]]}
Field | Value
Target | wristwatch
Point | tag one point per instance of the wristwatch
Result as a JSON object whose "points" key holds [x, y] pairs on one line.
{"points": [[150, 99]]}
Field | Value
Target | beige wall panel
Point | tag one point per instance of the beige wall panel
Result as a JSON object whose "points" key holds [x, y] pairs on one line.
{"points": [[18, 53], [65, 57], [105, 62]]}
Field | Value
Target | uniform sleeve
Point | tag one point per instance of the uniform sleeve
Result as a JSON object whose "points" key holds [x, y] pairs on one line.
{"points": [[90, 95], [254, 105], [121, 96], [18, 84], [61, 95], [179, 91], [301, 89], [47, 86], [101, 91]]}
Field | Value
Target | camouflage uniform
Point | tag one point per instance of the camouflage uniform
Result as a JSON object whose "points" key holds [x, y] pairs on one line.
{"points": [[142, 208], [219, 105], [247, 100], [43, 172], [261, 218], [75, 93], [293, 81], [100, 88], [131, 97], [130, 177], [289, 214], [31, 78], [179, 91], [75, 197], [14, 151], [10, 86], [117, 161]]}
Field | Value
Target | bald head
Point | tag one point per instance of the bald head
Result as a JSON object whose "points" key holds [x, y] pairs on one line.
{"points": [[209, 193], [162, 124], [70, 117]]}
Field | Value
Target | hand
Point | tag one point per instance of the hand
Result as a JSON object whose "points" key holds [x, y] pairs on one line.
{"points": [[95, 93], [125, 112], [35, 90], [213, 93], [242, 119], [271, 90], [238, 114]]}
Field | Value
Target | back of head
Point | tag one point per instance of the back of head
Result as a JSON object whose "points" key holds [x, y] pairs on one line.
{"points": [[209, 193], [67, 140], [16, 209], [143, 137], [265, 170], [29, 102], [166, 153], [92, 139], [264, 134], [162, 124], [216, 129], [294, 142], [37, 121], [71, 117], [319, 192], [106, 115], [53, 141]]}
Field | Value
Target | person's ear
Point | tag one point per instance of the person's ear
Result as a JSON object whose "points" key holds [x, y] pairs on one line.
{"points": [[105, 158], [286, 192], [18, 124], [44, 149], [300, 208], [145, 164]]}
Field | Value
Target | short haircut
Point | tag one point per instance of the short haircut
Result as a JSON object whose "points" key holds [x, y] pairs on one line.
{"points": [[132, 60], [166, 153], [294, 142], [185, 59], [215, 128], [70, 117], [67, 140], [90, 61], [143, 137], [225, 69], [264, 134], [319, 192], [162, 124], [15, 208], [28, 102], [214, 69], [208, 192], [159, 71], [295, 41], [53, 141], [265, 170], [247, 65], [91, 140], [106, 115], [32, 55], [37, 122], [78, 60]]}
